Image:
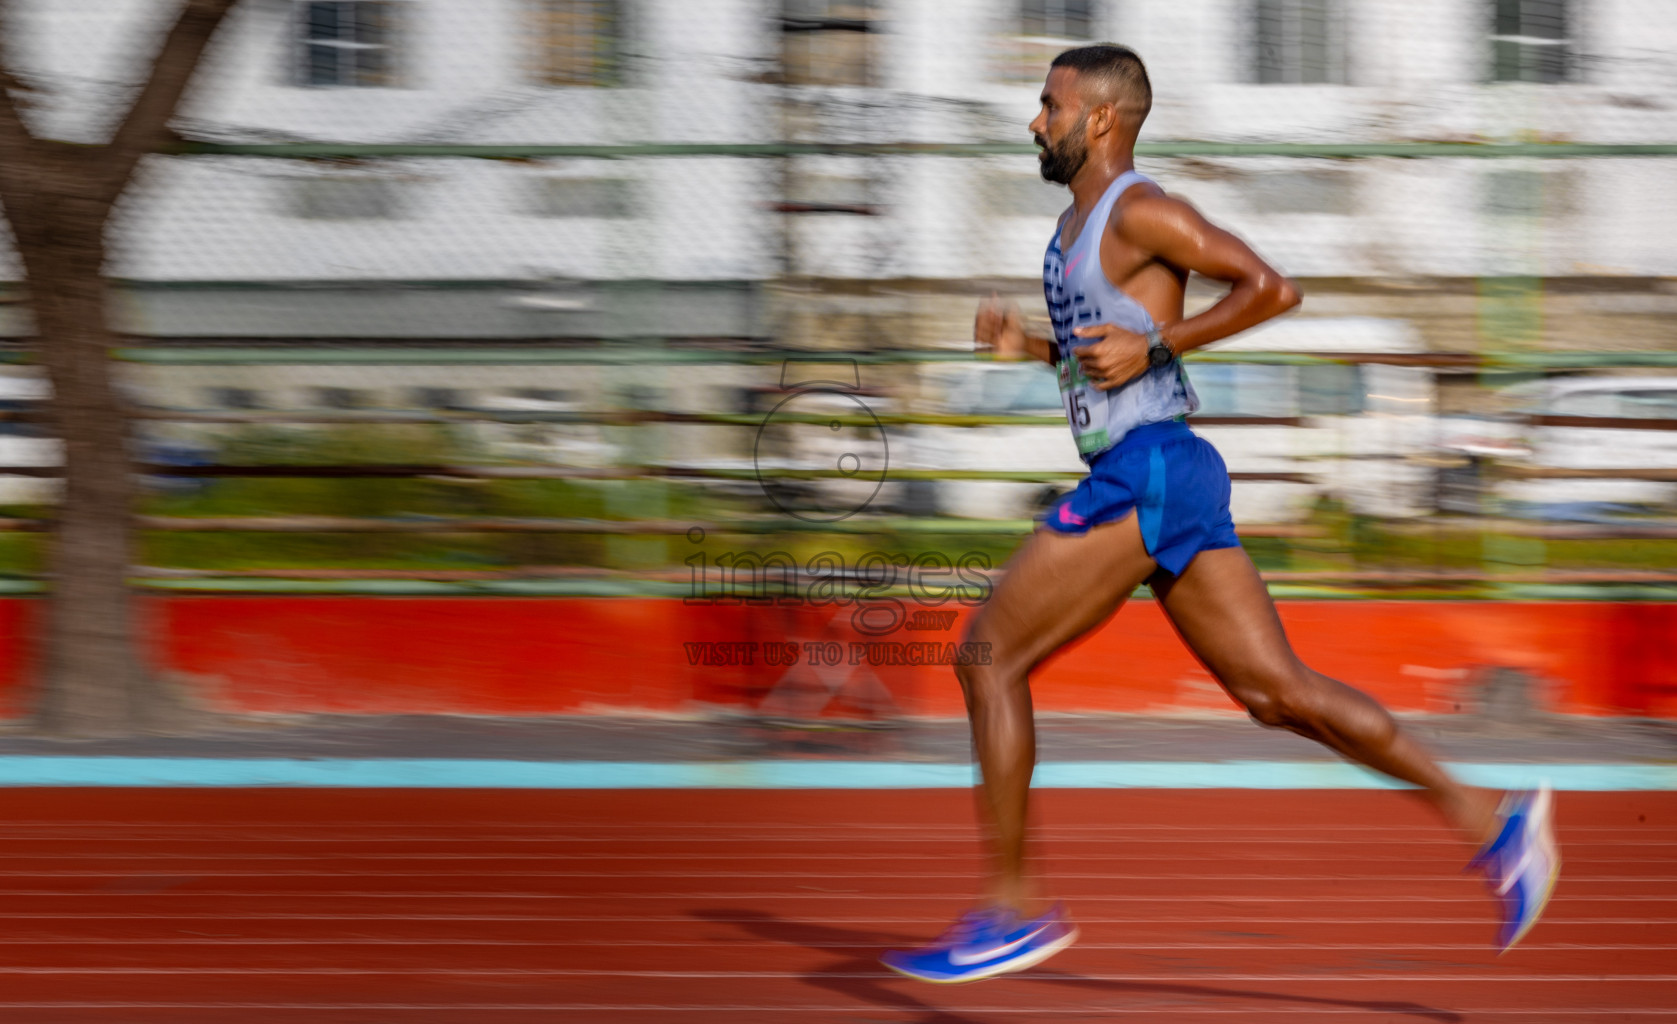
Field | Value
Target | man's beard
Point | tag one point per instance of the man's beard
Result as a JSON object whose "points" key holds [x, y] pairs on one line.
{"points": [[1061, 163]]}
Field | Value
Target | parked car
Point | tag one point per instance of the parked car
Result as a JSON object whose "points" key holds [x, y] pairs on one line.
{"points": [[1545, 424], [538, 441], [26, 443]]}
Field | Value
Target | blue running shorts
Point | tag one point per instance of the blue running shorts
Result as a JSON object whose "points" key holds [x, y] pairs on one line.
{"points": [[1172, 477]]}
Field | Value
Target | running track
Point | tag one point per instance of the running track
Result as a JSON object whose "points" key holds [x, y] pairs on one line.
{"points": [[647, 907]]}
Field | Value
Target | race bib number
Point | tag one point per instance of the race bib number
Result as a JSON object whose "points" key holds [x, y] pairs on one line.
{"points": [[1080, 397]]}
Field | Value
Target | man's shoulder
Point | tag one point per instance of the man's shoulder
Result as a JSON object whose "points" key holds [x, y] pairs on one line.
{"points": [[1144, 207], [1142, 194]]}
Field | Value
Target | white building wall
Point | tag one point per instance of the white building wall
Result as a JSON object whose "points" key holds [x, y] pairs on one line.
{"points": [[1417, 70]]}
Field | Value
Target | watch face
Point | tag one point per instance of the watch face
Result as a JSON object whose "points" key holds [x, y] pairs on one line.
{"points": [[1158, 355]]}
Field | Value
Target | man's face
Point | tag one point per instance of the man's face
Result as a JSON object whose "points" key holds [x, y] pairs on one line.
{"points": [[1060, 129]]}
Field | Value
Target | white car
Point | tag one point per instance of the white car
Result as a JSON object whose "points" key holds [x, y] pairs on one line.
{"points": [[1545, 425], [565, 444]]}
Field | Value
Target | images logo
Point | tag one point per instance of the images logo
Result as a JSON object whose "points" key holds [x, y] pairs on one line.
{"points": [[823, 421]]}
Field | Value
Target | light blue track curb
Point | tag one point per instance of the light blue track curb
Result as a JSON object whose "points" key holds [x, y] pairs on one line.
{"points": [[438, 773]]}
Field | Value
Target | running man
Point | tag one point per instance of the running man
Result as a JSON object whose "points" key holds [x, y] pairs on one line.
{"points": [[1154, 509]]}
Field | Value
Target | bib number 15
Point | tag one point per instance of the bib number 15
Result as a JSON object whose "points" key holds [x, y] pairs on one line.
{"points": [[1079, 406]]}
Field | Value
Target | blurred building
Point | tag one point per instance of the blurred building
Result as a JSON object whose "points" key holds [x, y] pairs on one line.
{"points": [[850, 251], [748, 71]]}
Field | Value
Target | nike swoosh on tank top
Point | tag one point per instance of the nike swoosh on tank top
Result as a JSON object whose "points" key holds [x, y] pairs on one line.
{"points": [[1079, 295]]}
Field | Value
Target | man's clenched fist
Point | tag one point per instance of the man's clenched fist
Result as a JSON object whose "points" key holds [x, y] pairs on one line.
{"points": [[1114, 356], [999, 328]]}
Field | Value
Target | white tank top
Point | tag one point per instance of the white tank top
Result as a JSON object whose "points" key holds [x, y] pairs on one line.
{"points": [[1079, 294]]}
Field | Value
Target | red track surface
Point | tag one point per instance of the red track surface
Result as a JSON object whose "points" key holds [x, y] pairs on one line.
{"points": [[475, 907]]}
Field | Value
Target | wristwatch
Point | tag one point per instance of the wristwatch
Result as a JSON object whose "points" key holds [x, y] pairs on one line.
{"points": [[1158, 351]]}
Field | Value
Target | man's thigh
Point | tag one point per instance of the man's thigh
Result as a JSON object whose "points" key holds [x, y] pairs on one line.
{"points": [[1058, 587], [1223, 611]]}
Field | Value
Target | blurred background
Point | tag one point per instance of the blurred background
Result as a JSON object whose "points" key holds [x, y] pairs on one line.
{"points": [[509, 356]]}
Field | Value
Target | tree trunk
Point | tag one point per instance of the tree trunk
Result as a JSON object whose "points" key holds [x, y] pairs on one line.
{"points": [[58, 197], [95, 680]]}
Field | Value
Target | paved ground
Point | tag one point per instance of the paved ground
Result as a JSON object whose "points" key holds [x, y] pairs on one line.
{"points": [[1085, 738]]}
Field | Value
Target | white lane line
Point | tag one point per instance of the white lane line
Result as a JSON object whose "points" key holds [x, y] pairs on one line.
{"points": [[650, 826], [1305, 823], [1526, 1016], [900, 876], [744, 828], [808, 896], [1392, 835], [1403, 974], [1258, 944], [753, 858], [910, 849], [1221, 921], [852, 1009]]}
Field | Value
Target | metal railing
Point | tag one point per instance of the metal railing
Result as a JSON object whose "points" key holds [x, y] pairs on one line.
{"points": [[1303, 150], [564, 580]]}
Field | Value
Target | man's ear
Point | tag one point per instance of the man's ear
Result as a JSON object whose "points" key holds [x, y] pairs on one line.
{"points": [[1103, 119]]}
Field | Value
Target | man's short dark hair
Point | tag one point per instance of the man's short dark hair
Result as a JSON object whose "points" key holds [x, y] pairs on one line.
{"points": [[1117, 72]]}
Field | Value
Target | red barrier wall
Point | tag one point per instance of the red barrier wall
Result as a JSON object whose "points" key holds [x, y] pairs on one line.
{"points": [[540, 656]]}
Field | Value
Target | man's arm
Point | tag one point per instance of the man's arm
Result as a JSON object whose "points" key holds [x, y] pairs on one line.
{"points": [[999, 328], [1177, 234]]}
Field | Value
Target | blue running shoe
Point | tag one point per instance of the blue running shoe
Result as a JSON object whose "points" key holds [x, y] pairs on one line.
{"points": [[1522, 863], [985, 943]]}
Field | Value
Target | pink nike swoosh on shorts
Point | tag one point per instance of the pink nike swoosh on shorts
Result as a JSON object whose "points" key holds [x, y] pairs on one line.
{"points": [[1071, 518]]}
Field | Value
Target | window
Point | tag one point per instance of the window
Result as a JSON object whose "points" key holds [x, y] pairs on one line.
{"points": [[234, 398], [1228, 389], [1299, 42], [1295, 189], [344, 197], [1588, 403], [551, 396], [1515, 194], [578, 42], [23, 398], [1033, 32], [341, 398], [809, 191], [1031, 389], [1068, 20], [430, 397], [558, 196], [1649, 405], [346, 43], [1331, 390], [1529, 42], [827, 42]]}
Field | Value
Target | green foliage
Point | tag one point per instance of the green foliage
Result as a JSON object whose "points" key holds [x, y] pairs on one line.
{"points": [[368, 497], [22, 554], [1344, 540]]}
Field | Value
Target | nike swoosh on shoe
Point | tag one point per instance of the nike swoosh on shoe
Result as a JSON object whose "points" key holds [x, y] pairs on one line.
{"points": [[960, 959]]}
